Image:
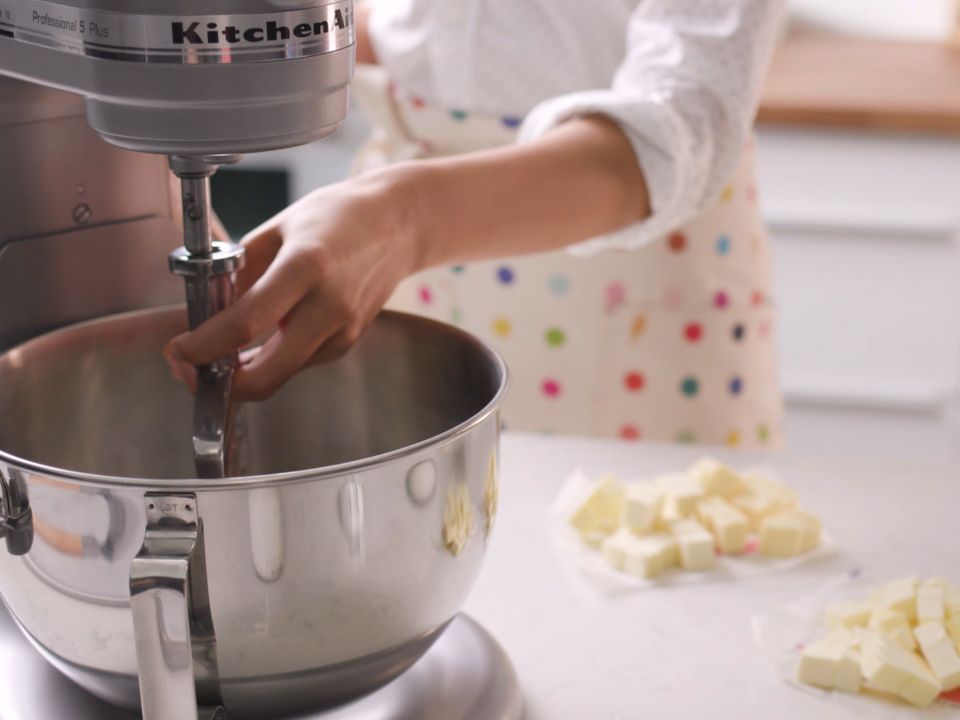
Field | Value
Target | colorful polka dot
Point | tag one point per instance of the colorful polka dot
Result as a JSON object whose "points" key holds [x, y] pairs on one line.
{"points": [[723, 245], [738, 332], [505, 275], [559, 285], [426, 146], [685, 437], [634, 381], [752, 193], [455, 316], [425, 295], [733, 438], [690, 386], [756, 299], [502, 327], [764, 328], [727, 193], [458, 269], [763, 433], [677, 242], [458, 115], [721, 299], [615, 295], [736, 385], [511, 121], [417, 102], [629, 432], [693, 332], [638, 326], [550, 388], [555, 337]]}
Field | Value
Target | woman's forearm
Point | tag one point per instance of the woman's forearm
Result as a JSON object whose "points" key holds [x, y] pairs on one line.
{"points": [[579, 181], [320, 271]]}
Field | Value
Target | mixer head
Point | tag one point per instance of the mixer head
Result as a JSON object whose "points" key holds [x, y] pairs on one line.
{"points": [[190, 77]]}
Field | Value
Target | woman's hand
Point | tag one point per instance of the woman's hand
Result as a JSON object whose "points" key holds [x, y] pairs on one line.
{"points": [[316, 275], [320, 271]]}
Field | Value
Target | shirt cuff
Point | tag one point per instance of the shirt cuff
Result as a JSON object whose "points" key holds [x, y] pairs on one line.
{"points": [[651, 128]]}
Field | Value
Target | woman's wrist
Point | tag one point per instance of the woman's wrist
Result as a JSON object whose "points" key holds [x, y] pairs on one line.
{"points": [[405, 197]]}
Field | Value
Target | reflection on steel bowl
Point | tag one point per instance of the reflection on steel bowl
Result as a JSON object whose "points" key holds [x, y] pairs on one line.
{"points": [[321, 571]]}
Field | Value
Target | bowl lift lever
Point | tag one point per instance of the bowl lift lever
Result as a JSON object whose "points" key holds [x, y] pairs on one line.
{"points": [[173, 624]]}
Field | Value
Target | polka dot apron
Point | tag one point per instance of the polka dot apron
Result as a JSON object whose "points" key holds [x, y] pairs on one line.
{"points": [[670, 342]]}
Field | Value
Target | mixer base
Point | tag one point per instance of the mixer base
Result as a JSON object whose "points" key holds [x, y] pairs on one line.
{"points": [[464, 676]]}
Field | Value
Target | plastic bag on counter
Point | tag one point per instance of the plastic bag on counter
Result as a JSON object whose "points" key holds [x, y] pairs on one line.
{"points": [[591, 566], [783, 632]]}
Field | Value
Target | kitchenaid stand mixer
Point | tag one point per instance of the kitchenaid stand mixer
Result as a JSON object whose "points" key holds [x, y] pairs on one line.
{"points": [[190, 89]]}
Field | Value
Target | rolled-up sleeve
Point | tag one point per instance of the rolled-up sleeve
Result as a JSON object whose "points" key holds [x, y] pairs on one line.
{"points": [[685, 95]]}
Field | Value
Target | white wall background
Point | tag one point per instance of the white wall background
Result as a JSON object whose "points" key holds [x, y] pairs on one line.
{"points": [[928, 19]]}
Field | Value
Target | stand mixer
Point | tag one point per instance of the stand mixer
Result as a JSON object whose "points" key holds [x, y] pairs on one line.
{"points": [[84, 224], [199, 87]]}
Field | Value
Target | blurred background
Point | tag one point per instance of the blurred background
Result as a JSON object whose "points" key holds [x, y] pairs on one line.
{"points": [[859, 150]]}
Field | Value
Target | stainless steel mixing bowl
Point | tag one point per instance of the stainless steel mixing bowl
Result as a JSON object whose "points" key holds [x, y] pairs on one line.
{"points": [[351, 538]]}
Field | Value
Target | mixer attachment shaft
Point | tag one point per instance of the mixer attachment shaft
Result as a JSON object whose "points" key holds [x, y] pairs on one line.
{"points": [[209, 269]]}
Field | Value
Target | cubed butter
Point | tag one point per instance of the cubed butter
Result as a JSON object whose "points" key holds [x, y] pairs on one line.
{"points": [[790, 533], [785, 497], [901, 595], [728, 525], [696, 545], [601, 508], [849, 614], [756, 508], [930, 603], [894, 624], [614, 547], [716, 478], [953, 630], [940, 653], [681, 494], [951, 600], [831, 663], [642, 506], [890, 668], [650, 555]]}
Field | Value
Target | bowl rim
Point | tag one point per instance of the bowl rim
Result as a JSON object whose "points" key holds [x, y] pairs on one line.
{"points": [[351, 467]]}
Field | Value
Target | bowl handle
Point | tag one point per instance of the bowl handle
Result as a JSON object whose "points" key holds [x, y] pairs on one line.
{"points": [[16, 517], [172, 622]]}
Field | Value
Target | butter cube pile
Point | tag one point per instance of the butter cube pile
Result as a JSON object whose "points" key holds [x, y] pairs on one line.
{"points": [[902, 642], [683, 519]]}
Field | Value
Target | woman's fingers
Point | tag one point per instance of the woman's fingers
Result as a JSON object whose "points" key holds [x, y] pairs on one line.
{"points": [[257, 312], [287, 351], [261, 248], [336, 347]]}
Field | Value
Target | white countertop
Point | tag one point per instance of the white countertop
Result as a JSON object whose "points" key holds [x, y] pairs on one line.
{"points": [[688, 651]]}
